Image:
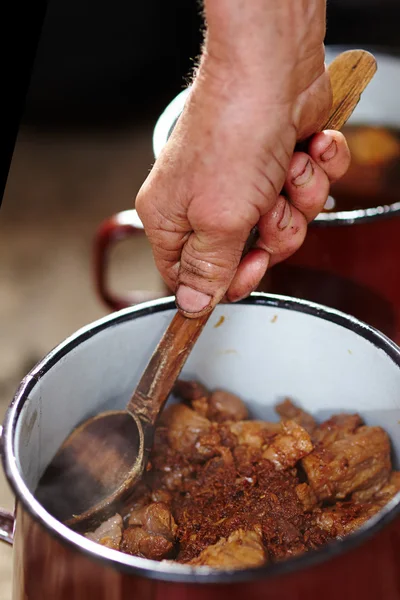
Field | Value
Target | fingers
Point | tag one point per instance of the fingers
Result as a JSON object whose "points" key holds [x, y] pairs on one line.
{"points": [[283, 229], [330, 151], [307, 185], [309, 175], [251, 270], [208, 264]]}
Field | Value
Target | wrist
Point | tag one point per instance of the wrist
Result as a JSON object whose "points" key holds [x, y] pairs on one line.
{"points": [[261, 40]]}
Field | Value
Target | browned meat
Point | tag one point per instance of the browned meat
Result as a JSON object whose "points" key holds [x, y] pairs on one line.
{"points": [[155, 518], [358, 462], [161, 495], [254, 433], [242, 549], [336, 428], [228, 493], [109, 533], [218, 407], [307, 497], [139, 542], [224, 406], [289, 446], [288, 411], [388, 491], [344, 518], [184, 428], [341, 519], [194, 394], [150, 533]]}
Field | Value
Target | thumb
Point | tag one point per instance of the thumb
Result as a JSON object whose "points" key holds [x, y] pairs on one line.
{"points": [[208, 264]]}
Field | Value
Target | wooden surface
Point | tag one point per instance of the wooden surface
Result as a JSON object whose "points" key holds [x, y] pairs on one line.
{"points": [[350, 73]]}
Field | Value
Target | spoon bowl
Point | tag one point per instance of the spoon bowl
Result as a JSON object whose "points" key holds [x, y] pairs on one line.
{"points": [[81, 468]]}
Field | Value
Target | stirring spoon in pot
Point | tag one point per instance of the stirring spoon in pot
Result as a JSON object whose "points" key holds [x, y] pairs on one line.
{"points": [[99, 464]]}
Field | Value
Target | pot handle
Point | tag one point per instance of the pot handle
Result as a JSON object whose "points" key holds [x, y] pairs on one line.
{"points": [[6, 526], [6, 518], [120, 226]]}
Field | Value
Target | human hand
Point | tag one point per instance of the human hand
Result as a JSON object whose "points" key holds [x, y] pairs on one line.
{"points": [[231, 153]]}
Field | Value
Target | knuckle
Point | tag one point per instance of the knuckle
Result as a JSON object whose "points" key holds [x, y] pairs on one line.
{"points": [[206, 266]]}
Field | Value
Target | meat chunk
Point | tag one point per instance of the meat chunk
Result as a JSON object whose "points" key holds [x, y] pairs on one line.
{"points": [[184, 428], [358, 462], [109, 533], [155, 518], [307, 497], [254, 433], [342, 519], [224, 406], [288, 411], [194, 394], [161, 495], [241, 550], [139, 542], [289, 446], [336, 428], [388, 491], [217, 406], [151, 532]]}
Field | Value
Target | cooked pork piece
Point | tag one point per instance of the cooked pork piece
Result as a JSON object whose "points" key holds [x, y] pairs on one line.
{"points": [[241, 550], [224, 406], [288, 411], [254, 433], [194, 394], [307, 497], [184, 428], [109, 533], [357, 462], [289, 446], [336, 428], [217, 406], [139, 542], [155, 518]]}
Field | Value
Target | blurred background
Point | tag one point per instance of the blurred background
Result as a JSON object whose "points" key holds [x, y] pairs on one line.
{"points": [[104, 72]]}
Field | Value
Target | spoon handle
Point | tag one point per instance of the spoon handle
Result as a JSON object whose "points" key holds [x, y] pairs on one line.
{"points": [[164, 367], [350, 73]]}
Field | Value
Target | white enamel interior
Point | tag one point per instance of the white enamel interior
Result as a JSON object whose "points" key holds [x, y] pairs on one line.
{"points": [[263, 353]]}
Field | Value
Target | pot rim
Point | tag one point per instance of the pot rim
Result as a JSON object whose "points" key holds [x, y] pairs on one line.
{"points": [[174, 572], [169, 116]]}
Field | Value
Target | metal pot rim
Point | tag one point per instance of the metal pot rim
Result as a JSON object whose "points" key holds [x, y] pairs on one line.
{"points": [[174, 572], [169, 116]]}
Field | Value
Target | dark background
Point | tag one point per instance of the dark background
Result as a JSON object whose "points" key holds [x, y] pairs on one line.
{"points": [[106, 62]]}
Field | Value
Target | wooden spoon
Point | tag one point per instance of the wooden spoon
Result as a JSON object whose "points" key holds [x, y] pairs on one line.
{"points": [[98, 465]]}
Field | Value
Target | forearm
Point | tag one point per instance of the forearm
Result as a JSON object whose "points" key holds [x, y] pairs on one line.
{"points": [[259, 38]]}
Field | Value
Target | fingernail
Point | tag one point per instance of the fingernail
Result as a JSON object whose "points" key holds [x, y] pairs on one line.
{"points": [[286, 216], [190, 300], [330, 152], [304, 175]]}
